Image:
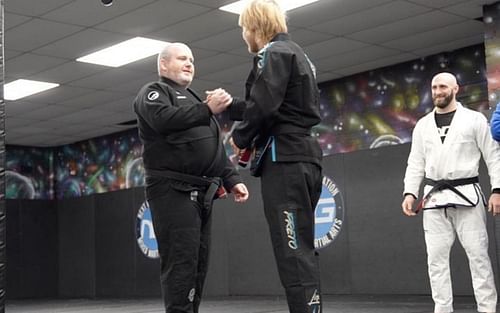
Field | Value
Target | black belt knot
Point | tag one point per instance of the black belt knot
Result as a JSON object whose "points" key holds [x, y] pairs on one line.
{"points": [[450, 184], [211, 183]]}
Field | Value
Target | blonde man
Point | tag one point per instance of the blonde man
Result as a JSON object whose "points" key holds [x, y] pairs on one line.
{"points": [[280, 108]]}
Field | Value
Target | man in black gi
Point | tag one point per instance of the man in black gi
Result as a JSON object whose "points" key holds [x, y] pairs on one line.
{"points": [[281, 106], [186, 168]]}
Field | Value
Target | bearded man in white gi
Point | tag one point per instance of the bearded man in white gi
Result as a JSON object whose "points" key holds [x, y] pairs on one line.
{"points": [[446, 149]]}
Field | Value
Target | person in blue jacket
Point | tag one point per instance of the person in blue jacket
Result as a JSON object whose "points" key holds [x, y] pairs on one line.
{"points": [[495, 123]]}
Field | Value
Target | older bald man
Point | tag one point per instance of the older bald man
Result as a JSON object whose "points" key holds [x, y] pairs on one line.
{"points": [[446, 148]]}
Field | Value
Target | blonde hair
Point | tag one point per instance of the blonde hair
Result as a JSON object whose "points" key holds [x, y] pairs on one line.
{"points": [[264, 17]]}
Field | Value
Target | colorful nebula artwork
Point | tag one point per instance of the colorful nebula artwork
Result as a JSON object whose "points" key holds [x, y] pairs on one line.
{"points": [[99, 165], [491, 20], [381, 107]]}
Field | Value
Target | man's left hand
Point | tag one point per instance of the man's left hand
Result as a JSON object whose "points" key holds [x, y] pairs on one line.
{"points": [[240, 192], [494, 204]]}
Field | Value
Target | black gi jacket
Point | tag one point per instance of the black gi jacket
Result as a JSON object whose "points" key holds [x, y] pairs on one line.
{"points": [[282, 102], [179, 134]]}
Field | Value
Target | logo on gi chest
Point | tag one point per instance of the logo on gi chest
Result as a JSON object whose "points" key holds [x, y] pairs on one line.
{"points": [[145, 234], [329, 214]]}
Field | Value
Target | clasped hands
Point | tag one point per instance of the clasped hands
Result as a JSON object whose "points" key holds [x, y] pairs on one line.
{"points": [[218, 100]]}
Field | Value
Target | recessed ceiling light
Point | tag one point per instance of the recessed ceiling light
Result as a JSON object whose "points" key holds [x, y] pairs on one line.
{"points": [[23, 87], [287, 5], [125, 52]]}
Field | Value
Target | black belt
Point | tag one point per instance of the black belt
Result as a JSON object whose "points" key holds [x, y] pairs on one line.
{"points": [[211, 183], [290, 129], [450, 184]]}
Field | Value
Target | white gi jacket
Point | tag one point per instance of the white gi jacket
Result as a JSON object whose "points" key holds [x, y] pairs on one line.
{"points": [[458, 157]]}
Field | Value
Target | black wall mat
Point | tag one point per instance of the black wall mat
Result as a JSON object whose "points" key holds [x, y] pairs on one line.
{"points": [[87, 247]]}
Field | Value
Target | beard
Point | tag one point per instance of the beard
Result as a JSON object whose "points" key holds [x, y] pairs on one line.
{"points": [[443, 102]]}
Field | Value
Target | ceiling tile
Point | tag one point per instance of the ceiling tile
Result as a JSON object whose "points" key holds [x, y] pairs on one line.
{"points": [[110, 77], [467, 9], [37, 33], [47, 112], [218, 62], [27, 64], [436, 4], [69, 71], [20, 107], [90, 13], [305, 37], [375, 64], [10, 54], [332, 47], [114, 118], [327, 10], [90, 116], [14, 122], [221, 42], [81, 43], [210, 3], [132, 87], [373, 17], [199, 27], [438, 36], [152, 17], [33, 8], [91, 100], [358, 56], [12, 20], [406, 27], [235, 73], [449, 46], [119, 105], [61, 93]]}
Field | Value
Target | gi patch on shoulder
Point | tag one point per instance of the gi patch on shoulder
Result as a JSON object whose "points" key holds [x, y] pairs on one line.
{"points": [[153, 95], [145, 234], [329, 214]]}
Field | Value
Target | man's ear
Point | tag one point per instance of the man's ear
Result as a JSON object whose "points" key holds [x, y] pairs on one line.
{"points": [[163, 65]]}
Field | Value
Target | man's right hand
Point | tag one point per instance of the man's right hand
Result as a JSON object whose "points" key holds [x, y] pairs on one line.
{"points": [[407, 205], [218, 100]]}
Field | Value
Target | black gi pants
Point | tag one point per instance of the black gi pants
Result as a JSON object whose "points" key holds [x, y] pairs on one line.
{"points": [[182, 228], [290, 192]]}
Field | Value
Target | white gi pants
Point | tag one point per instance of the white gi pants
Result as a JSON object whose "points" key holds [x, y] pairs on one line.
{"points": [[469, 223]]}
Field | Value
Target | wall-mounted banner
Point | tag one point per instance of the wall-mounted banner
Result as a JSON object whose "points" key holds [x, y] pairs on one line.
{"points": [[145, 233], [329, 215]]}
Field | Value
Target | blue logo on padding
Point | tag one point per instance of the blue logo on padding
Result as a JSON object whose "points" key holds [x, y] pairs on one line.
{"points": [[329, 214], [145, 233]]}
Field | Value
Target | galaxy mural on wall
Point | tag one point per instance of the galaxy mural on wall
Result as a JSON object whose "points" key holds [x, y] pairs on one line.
{"points": [[29, 173], [491, 19], [381, 107], [99, 165]]}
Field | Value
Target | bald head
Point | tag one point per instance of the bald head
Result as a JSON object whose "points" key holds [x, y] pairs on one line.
{"points": [[445, 77], [444, 90], [176, 63]]}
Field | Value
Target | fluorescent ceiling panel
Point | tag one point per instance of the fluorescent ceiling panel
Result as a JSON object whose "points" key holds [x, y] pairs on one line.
{"points": [[125, 52], [287, 5], [23, 87]]}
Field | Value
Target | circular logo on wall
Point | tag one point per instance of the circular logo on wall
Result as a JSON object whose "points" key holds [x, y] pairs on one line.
{"points": [[145, 233], [329, 214]]}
